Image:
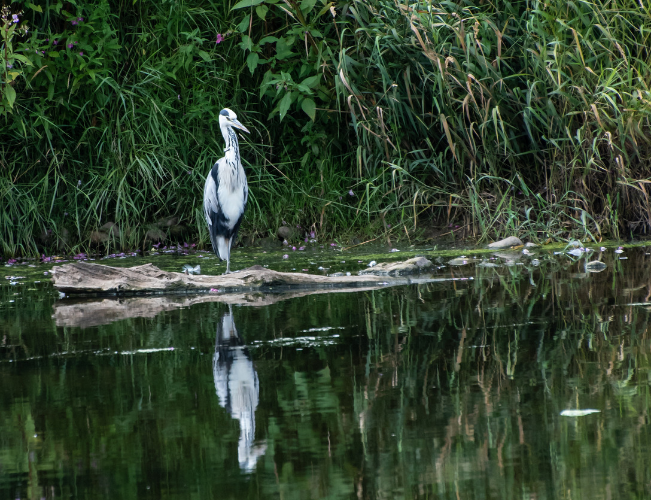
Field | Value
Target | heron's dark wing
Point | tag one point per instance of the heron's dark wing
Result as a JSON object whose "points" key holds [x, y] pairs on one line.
{"points": [[217, 223]]}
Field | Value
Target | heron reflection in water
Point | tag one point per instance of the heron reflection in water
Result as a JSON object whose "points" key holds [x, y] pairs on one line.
{"points": [[236, 385]]}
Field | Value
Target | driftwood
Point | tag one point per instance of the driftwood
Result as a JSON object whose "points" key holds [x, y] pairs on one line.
{"points": [[87, 278], [101, 311]]}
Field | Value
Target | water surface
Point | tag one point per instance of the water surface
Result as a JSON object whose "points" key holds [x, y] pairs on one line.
{"points": [[449, 389]]}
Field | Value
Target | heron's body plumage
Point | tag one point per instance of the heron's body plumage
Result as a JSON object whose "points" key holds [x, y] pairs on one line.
{"points": [[225, 195]]}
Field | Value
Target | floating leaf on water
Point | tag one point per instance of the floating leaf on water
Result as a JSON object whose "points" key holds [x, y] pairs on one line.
{"points": [[578, 413], [595, 266], [487, 264]]}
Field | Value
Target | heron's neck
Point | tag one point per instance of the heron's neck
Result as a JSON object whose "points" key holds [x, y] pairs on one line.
{"points": [[232, 149]]}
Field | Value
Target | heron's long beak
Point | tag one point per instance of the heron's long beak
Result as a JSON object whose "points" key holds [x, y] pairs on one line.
{"points": [[237, 124]]}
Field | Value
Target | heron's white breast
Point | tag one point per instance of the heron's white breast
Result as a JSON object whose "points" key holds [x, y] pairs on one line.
{"points": [[231, 192]]}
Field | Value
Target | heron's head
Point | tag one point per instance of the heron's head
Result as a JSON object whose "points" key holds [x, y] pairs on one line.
{"points": [[229, 119]]}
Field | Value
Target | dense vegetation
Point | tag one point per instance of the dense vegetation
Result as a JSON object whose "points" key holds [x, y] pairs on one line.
{"points": [[367, 116]]}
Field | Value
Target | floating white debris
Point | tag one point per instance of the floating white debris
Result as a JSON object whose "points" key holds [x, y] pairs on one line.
{"points": [[459, 261], [576, 252], [371, 264], [348, 273], [147, 351], [619, 250], [394, 250], [188, 269], [578, 413]]}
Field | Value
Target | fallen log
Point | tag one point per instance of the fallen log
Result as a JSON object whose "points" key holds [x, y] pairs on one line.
{"points": [[89, 278]]}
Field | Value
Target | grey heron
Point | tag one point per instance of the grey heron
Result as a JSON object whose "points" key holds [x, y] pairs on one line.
{"points": [[226, 191]]}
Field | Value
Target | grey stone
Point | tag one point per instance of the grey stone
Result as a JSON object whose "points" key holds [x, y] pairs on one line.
{"points": [[284, 233], [510, 241]]}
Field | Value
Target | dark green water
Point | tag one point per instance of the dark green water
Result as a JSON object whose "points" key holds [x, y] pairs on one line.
{"points": [[449, 389]]}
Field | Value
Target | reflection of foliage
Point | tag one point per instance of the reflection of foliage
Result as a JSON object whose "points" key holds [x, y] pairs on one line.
{"points": [[431, 390]]}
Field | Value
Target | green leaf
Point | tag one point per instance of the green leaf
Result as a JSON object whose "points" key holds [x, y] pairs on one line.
{"points": [[311, 81], [244, 24], [37, 8], [285, 104], [204, 55], [307, 5], [283, 50], [261, 10], [268, 39], [310, 108], [252, 61], [246, 3], [53, 54], [247, 43], [10, 94]]}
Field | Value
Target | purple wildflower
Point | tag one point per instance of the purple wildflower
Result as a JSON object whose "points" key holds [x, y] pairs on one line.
{"points": [[55, 42], [214, 290], [301, 249], [73, 22], [312, 235], [351, 193], [333, 244], [11, 261], [294, 249], [70, 45], [9, 66], [80, 19], [219, 38], [81, 53], [14, 18], [286, 256]]}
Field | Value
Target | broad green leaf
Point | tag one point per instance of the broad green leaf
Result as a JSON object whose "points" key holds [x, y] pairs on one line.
{"points": [[311, 81], [23, 59], [13, 75], [53, 54], [261, 10], [246, 3], [268, 39], [10, 94], [244, 24], [247, 43], [310, 108], [252, 61], [284, 105], [204, 55], [37, 8], [283, 50], [307, 5]]}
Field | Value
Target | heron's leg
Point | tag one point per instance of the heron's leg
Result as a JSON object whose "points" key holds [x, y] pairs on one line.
{"points": [[228, 259]]}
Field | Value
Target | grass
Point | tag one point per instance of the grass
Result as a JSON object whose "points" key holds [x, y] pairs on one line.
{"points": [[511, 118]]}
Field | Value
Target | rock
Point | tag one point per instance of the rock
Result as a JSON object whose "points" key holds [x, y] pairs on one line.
{"points": [[595, 266], [98, 237], [415, 265], [270, 243], [484, 263], [510, 241], [64, 239], [111, 229], [166, 222], [529, 244], [178, 231], [155, 235], [284, 233]]}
